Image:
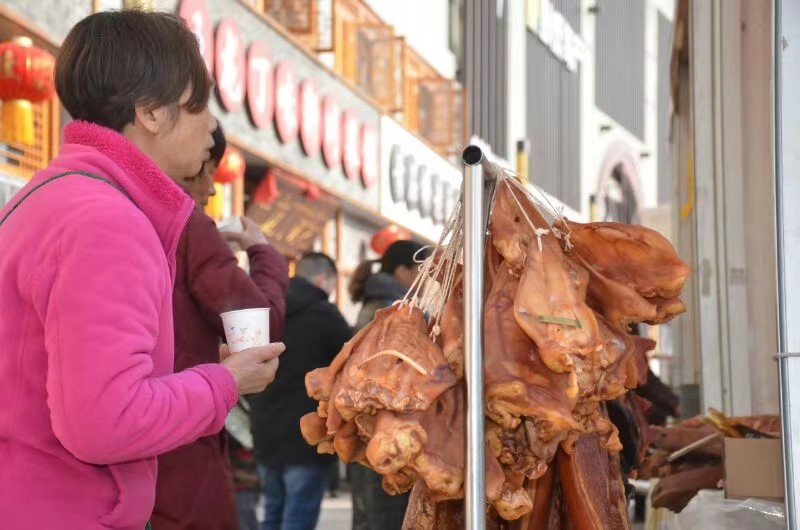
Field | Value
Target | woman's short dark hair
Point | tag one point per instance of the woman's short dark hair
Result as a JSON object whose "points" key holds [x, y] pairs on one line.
{"points": [[220, 143], [400, 253], [403, 253], [112, 61]]}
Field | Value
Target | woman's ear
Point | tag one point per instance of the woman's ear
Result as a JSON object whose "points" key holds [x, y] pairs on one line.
{"points": [[153, 120]]}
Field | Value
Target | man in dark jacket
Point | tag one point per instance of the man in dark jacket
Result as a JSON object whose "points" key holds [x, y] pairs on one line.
{"points": [[294, 475]]}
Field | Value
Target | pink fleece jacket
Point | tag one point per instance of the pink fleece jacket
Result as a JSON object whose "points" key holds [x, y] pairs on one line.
{"points": [[87, 395]]}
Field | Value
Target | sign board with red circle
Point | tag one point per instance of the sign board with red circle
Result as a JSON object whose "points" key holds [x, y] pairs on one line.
{"points": [[286, 115], [370, 158], [195, 13], [230, 65], [331, 132], [310, 120], [260, 85], [351, 150]]}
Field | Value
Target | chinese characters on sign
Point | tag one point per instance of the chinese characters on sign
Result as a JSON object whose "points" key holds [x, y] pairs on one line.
{"points": [[260, 85], [286, 102], [230, 62], [310, 119], [331, 132], [274, 93], [555, 32]]}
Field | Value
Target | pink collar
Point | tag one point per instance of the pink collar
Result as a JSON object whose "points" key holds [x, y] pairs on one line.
{"points": [[160, 199]]}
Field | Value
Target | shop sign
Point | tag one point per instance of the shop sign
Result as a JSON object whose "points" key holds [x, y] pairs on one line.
{"points": [[286, 108], [274, 92], [310, 118], [293, 222], [331, 132], [351, 150], [260, 85], [555, 32], [369, 155], [230, 62], [195, 13], [423, 187]]}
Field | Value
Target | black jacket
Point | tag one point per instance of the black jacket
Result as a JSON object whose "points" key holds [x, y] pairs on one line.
{"points": [[381, 290], [314, 333]]}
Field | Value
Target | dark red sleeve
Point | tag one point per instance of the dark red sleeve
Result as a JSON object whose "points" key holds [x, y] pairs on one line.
{"points": [[269, 270], [218, 284]]}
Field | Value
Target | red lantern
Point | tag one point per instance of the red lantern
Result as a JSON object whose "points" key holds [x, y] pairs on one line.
{"points": [[383, 238], [231, 167], [311, 192], [26, 77], [267, 192]]}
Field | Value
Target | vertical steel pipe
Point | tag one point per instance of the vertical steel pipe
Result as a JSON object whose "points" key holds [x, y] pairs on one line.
{"points": [[786, 63], [474, 232]]}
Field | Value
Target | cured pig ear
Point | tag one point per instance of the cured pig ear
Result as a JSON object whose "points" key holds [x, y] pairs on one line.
{"points": [[313, 429], [319, 382], [632, 255], [347, 443]]}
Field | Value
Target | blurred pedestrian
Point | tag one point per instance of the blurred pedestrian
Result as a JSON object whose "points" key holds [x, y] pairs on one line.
{"points": [[294, 475], [373, 508], [195, 483], [246, 481], [86, 374]]}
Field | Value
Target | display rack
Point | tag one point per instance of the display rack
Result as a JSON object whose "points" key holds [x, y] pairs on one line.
{"points": [[480, 179]]}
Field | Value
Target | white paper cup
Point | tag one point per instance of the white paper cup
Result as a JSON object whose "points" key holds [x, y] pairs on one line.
{"points": [[231, 224], [247, 328]]}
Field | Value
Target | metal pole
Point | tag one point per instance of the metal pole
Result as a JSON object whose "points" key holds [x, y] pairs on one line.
{"points": [[474, 237], [786, 62]]}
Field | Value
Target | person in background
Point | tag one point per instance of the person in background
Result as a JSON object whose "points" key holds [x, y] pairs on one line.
{"points": [[373, 508], [294, 475], [195, 484], [89, 397], [246, 481]]}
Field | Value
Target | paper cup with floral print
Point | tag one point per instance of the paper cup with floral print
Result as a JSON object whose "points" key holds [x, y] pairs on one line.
{"points": [[247, 328]]}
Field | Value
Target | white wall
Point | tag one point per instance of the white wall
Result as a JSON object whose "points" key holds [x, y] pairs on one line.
{"points": [[596, 143], [425, 25]]}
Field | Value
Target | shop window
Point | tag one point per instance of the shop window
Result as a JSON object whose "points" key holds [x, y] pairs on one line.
{"points": [[379, 71], [294, 15], [24, 160], [310, 21], [619, 199], [441, 114]]}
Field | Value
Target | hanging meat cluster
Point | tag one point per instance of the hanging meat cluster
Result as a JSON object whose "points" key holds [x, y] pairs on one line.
{"points": [[682, 476], [559, 299]]}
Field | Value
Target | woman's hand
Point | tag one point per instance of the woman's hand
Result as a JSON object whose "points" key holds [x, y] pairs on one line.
{"points": [[251, 235], [254, 368]]}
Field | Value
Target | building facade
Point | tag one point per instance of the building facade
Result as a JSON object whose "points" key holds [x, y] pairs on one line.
{"points": [[722, 144], [575, 95], [344, 127], [576, 88]]}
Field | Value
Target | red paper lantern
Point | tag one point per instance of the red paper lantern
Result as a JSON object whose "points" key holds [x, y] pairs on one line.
{"points": [[383, 238], [267, 192], [231, 167], [312, 192], [26, 77]]}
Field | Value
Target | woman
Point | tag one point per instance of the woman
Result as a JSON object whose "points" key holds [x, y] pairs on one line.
{"points": [[88, 397], [373, 508], [399, 268], [195, 485]]}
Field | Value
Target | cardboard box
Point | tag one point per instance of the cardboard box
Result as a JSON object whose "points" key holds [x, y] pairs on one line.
{"points": [[753, 469]]}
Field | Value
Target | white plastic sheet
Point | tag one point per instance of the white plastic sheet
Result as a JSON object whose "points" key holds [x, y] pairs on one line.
{"points": [[710, 509]]}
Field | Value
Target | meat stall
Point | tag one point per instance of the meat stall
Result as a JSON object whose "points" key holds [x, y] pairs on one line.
{"points": [[485, 390]]}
